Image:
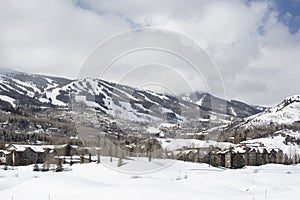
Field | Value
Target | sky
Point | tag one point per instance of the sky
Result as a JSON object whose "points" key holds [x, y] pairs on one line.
{"points": [[254, 44]]}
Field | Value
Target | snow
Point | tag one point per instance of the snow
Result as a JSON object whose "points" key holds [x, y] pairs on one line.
{"points": [[233, 111], [200, 101], [49, 80], [277, 141], [26, 84], [82, 99], [152, 130], [166, 110], [167, 125], [36, 148], [175, 144], [140, 106], [180, 180], [147, 99], [53, 94], [126, 112], [8, 99], [279, 115], [11, 88], [161, 96]]}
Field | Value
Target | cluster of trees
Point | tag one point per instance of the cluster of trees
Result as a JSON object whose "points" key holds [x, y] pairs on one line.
{"points": [[291, 140], [47, 167]]}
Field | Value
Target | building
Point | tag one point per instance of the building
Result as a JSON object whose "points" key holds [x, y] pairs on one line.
{"points": [[5, 156], [21, 154]]}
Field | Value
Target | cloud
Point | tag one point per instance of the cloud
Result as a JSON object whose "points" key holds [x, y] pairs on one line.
{"points": [[51, 36], [254, 49]]}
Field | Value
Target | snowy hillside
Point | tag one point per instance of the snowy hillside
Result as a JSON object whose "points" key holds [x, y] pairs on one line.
{"points": [[286, 112], [178, 181], [234, 108], [20, 88], [284, 117], [279, 140], [118, 101]]}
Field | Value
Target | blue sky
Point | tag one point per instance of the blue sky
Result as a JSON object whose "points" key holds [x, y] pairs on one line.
{"points": [[286, 7]]}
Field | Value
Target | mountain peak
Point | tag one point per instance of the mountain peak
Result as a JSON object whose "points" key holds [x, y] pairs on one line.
{"points": [[291, 99], [286, 102]]}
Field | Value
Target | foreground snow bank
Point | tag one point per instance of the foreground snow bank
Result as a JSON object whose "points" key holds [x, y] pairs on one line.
{"points": [[177, 181]]}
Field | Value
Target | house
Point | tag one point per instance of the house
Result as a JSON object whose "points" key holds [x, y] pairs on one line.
{"points": [[221, 158], [228, 158], [257, 155], [213, 157], [5, 157], [27, 154], [22, 155], [234, 157], [251, 156], [191, 155], [65, 150]]}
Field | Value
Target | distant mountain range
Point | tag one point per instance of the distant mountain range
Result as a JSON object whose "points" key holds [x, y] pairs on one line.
{"points": [[201, 113], [116, 100]]}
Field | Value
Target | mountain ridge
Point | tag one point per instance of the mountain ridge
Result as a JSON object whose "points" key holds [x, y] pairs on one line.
{"points": [[41, 90], [284, 116]]}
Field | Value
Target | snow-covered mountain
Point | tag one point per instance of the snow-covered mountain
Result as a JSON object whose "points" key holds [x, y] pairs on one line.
{"points": [[19, 89], [285, 116], [287, 112], [230, 107], [26, 89]]}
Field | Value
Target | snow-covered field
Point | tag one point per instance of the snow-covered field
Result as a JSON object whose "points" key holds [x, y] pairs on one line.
{"points": [[181, 180]]}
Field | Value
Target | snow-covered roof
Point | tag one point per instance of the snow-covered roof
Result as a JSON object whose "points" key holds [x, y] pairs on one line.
{"points": [[5, 152], [239, 150], [23, 147]]}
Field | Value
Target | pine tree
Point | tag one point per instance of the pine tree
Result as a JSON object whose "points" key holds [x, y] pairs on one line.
{"points": [[81, 159], [36, 168], [149, 157], [90, 157], [59, 167], [285, 159], [71, 161], [120, 162], [98, 158], [45, 167]]}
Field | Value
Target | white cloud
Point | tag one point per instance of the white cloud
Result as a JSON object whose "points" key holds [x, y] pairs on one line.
{"points": [[256, 54], [51, 36]]}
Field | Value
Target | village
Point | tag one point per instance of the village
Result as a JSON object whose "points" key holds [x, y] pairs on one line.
{"points": [[25, 154], [236, 156]]}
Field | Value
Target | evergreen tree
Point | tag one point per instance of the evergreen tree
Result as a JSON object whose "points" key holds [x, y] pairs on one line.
{"points": [[59, 167], [239, 161], [71, 160], [149, 156], [81, 159], [120, 162], [90, 157], [98, 158], [36, 168], [45, 167], [285, 159]]}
